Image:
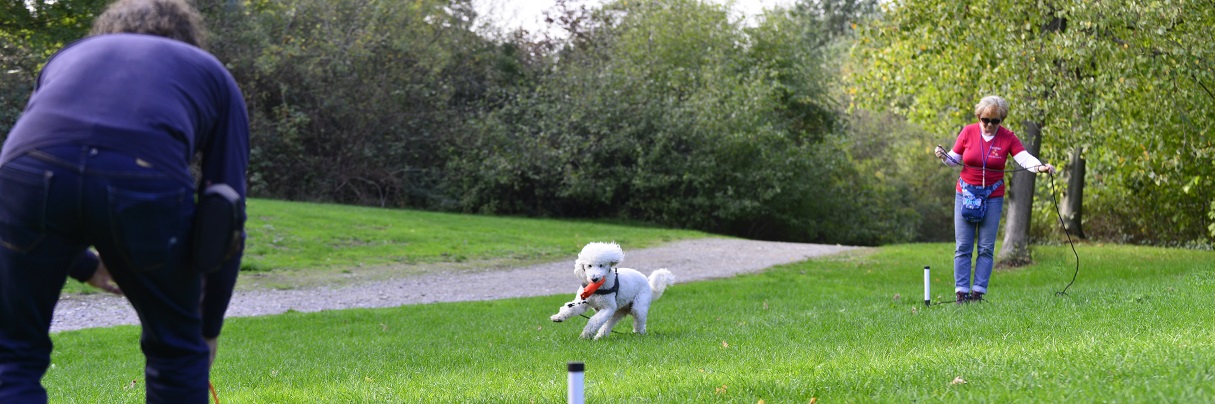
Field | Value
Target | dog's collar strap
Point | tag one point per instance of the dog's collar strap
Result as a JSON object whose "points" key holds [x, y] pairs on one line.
{"points": [[613, 289]]}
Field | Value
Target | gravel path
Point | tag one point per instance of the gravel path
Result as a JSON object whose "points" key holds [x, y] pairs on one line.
{"points": [[689, 260]]}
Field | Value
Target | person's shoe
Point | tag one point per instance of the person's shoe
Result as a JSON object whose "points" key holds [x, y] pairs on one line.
{"points": [[976, 297], [963, 297]]}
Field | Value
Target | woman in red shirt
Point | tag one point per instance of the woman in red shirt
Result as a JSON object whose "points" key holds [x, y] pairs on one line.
{"points": [[982, 149]]}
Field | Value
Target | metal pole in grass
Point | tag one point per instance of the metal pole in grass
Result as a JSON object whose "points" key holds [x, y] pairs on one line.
{"points": [[927, 296], [575, 393]]}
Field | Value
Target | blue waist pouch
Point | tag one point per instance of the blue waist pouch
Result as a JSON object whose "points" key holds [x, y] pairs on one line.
{"points": [[974, 200]]}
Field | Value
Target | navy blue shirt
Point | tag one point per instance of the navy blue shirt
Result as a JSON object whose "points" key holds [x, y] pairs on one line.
{"points": [[153, 98]]}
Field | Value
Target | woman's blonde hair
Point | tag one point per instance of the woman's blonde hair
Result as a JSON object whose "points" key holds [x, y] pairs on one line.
{"points": [[992, 101], [173, 19]]}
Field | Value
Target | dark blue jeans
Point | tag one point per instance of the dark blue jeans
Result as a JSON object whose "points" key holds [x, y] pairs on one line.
{"points": [[55, 203]]}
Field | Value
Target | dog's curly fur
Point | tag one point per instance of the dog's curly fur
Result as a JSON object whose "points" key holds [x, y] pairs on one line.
{"points": [[633, 295]]}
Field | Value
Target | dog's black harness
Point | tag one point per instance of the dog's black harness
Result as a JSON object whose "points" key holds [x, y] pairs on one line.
{"points": [[615, 287]]}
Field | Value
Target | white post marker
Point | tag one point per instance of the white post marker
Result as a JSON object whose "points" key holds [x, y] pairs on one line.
{"points": [[575, 393], [927, 297]]}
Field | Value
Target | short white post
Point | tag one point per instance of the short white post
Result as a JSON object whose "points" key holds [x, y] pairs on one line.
{"points": [[575, 393], [927, 296]]}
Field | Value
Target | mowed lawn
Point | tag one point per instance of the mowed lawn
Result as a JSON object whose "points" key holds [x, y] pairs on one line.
{"points": [[1137, 326]]}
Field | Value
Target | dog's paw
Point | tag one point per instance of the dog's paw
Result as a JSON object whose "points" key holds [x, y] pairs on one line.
{"points": [[568, 310]]}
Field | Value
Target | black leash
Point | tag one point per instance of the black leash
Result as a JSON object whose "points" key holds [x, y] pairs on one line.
{"points": [[1063, 226], [1054, 200], [588, 318]]}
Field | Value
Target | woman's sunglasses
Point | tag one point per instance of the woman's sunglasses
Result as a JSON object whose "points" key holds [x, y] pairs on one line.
{"points": [[990, 121]]}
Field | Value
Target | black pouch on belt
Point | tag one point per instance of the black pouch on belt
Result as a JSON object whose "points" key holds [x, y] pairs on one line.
{"points": [[216, 228]]}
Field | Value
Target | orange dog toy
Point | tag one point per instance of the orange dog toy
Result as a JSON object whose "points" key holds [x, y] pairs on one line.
{"points": [[590, 289]]}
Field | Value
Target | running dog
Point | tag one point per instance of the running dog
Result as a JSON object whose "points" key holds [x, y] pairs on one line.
{"points": [[613, 292]]}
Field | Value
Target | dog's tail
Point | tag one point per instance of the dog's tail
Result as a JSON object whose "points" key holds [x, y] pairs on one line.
{"points": [[659, 280]]}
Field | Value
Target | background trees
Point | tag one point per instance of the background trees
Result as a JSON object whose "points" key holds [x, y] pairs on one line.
{"points": [[672, 112], [30, 31]]}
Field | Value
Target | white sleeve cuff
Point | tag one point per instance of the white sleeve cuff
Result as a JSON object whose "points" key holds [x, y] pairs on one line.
{"points": [[1027, 161], [954, 159]]}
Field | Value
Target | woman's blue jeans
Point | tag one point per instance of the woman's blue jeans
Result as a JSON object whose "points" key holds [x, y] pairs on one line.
{"points": [[965, 233], [56, 202]]}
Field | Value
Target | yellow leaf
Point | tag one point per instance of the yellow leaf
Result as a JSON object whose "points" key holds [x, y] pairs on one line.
{"points": [[724, 344]]}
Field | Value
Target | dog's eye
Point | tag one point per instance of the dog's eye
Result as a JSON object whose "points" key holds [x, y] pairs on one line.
{"points": [[569, 305]]}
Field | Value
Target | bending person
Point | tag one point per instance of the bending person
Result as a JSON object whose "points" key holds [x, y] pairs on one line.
{"points": [[101, 157]]}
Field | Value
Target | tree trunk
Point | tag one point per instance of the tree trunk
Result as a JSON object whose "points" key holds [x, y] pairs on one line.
{"points": [[1019, 193], [1073, 199]]}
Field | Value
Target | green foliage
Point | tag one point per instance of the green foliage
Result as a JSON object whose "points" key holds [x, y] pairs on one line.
{"points": [[1127, 81], [353, 101], [846, 328], [30, 31], [669, 112], [892, 154]]}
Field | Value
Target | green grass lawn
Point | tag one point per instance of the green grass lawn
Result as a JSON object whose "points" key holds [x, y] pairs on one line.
{"points": [[289, 235], [1136, 327]]}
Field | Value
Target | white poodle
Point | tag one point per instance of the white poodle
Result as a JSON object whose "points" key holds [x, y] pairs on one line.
{"points": [[613, 292]]}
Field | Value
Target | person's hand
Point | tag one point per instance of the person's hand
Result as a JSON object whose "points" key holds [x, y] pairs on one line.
{"points": [[101, 280], [1046, 168], [212, 343], [940, 152]]}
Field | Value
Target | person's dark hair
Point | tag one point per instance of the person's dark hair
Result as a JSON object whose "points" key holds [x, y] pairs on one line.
{"points": [[174, 19]]}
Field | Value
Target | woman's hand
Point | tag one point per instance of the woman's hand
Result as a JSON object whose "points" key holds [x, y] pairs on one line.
{"points": [[101, 280], [1046, 168]]}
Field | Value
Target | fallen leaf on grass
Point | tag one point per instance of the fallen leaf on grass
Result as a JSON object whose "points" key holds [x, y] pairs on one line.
{"points": [[720, 390], [725, 344], [897, 296], [958, 380], [131, 385]]}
